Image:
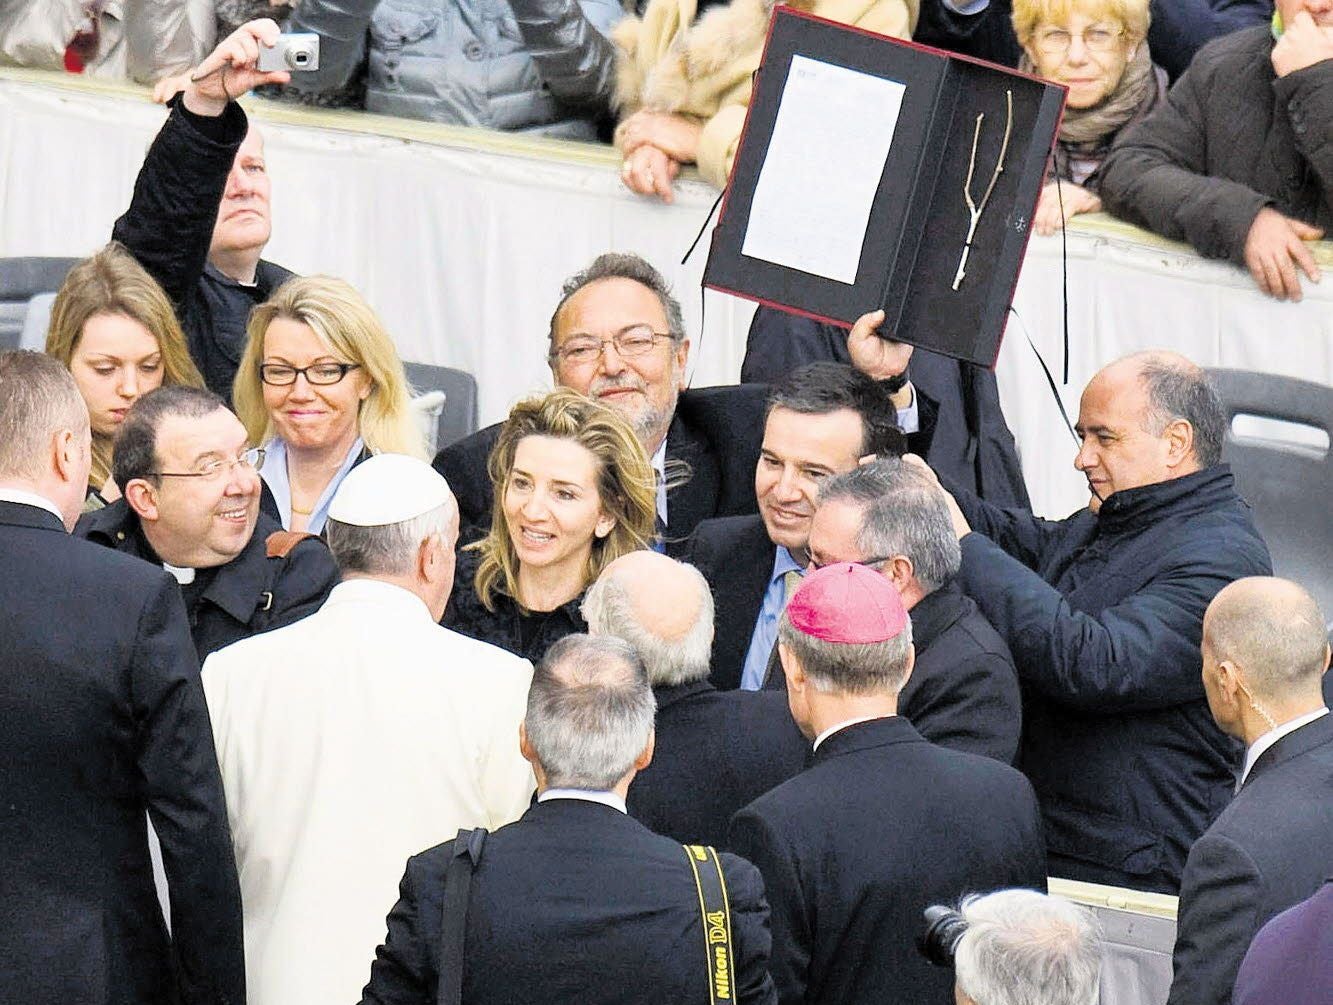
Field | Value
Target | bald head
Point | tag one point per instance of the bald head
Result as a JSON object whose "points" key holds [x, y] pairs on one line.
{"points": [[662, 608], [1273, 631], [1174, 388]]}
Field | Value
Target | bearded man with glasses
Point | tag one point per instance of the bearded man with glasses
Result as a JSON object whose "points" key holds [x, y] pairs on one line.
{"points": [[618, 335], [191, 505]]}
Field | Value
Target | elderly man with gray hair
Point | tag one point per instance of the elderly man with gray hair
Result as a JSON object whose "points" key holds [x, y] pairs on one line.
{"points": [[1026, 948], [577, 902], [889, 515], [356, 736], [716, 750]]}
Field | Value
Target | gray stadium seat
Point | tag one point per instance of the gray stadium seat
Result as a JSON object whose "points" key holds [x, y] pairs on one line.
{"points": [[20, 280], [459, 415], [1287, 481]]}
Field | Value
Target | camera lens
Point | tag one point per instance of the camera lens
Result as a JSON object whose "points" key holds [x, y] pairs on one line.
{"points": [[300, 57], [944, 927]]}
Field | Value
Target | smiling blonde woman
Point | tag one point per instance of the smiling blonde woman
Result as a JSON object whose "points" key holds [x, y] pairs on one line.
{"points": [[321, 388], [1097, 49]]}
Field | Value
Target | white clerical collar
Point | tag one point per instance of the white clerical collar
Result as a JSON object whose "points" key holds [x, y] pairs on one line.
{"points": [[1260, 745], [587, 795], [25, 498], [659, 466], [843, 725], [182, 574]]}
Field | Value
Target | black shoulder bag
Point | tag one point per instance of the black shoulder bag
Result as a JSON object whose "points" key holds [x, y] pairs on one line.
{"points": [[453, 916]]}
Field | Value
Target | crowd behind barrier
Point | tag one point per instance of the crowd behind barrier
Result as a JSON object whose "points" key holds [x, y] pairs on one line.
{"points": [[441, 248], [460, 238]]}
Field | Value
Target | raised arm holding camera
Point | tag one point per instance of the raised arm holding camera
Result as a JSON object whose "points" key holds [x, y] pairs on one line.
{"points": [[200, 218]]}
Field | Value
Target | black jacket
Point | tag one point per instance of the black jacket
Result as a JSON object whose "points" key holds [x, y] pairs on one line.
{"points": [[963, 431], [854, 848], [574, 904], [1103, 614], [1180, 28], [736, 557], [250, 594], [987, 34], [716, 751], [169, 227], [714, 438], [1271, 848], [963, 692], [528, 634], [102, 718], [1230, 139]]}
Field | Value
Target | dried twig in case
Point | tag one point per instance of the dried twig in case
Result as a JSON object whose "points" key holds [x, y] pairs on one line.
{"points": [[975, 209]]}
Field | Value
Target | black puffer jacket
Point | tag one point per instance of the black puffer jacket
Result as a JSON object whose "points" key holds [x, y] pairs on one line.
{"points": [[1104, 614], [1230, 139], [169, 227], [268, 585]]}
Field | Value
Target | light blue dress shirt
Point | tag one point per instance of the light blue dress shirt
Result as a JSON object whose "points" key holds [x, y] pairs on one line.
{"points": [[274, 473], [765, 632]]}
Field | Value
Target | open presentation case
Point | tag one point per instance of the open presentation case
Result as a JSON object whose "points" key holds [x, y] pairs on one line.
{"points": [[874, 173]]}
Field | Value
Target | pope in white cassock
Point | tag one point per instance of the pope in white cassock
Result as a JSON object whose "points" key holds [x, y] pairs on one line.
{"points": [[360, 736]]}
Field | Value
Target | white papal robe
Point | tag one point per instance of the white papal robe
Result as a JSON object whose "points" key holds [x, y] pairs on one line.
{"points": [[348, 742]]}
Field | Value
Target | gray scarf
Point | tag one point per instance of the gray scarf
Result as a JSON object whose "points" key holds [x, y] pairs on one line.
{"points": [[1137, 88]]}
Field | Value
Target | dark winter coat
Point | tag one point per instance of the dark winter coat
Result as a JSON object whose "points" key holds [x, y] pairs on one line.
{"points": [[1230, 139], [169, 227], [1103, 614]]}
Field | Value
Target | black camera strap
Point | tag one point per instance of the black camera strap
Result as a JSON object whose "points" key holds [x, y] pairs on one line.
{"points": [[453, 915], [715, 916]]}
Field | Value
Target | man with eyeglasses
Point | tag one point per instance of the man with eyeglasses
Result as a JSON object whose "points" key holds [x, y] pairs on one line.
{"points": [[618, 335], [191, 504], [889, 515], [1237, 160]]}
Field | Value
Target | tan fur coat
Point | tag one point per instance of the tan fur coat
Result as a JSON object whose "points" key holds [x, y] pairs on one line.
{"points": [[703, 71]]}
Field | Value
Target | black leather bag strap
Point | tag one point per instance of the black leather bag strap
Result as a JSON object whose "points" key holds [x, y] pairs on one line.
{"points": [[453, 915], [715, 915]]}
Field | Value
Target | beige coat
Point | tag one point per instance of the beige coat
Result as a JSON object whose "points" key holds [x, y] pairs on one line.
{"points": [[704, 70]]}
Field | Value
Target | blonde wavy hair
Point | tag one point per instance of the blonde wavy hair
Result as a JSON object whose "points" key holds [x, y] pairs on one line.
{"points": [[626, 485], [1029, 14], [113, 282], [350, 329]]}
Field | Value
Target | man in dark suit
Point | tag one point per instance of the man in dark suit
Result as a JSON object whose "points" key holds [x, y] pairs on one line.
{"points": [[716, 751], [190, 503], [1290, 961], [821, 421], [576, 902], [883, 824], [963, 692], [1264, 652], [618, 335], [102, 718], [1103, 613]]}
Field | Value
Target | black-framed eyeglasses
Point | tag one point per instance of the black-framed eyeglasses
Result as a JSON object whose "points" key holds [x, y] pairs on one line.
{"points": [[870, 562], [630, 342], [252, 459], [321, 374]]}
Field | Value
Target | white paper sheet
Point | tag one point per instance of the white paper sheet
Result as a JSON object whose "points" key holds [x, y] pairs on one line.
{"points": [[815, 190]]}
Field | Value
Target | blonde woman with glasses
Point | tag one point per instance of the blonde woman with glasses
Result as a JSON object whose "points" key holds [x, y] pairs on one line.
{"points": [[1097, 49], [321, 388]]}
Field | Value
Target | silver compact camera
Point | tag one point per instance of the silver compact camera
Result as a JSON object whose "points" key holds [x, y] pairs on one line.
{"points": [[297, 51]]}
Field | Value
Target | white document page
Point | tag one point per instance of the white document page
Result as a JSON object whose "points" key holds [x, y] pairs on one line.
{"points": [[813, 198]]}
